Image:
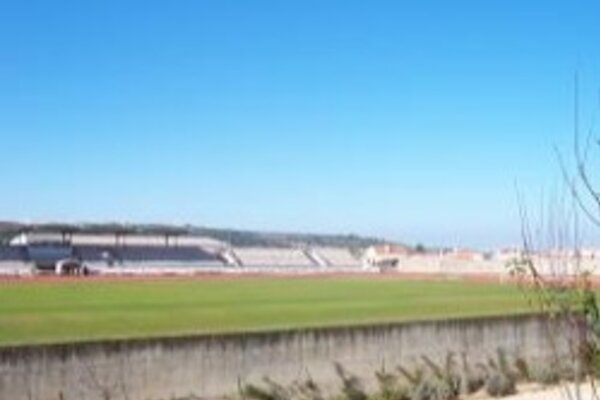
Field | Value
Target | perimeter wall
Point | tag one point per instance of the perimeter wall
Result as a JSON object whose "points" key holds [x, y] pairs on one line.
{"points": [[214, 365]]}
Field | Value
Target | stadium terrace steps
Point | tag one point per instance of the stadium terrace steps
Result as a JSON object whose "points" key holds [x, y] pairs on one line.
{"points": [[13, 253], [337, 257], [155, 253], [231, 258], [316, 258], [273, 257], [93, 253], [15, 268], [146, 254]]}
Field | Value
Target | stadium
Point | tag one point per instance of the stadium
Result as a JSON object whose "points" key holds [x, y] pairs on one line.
{"points": [[67, 250], [291, 200], [228, 276], [121, 311], [160, 313], [126, 250]]}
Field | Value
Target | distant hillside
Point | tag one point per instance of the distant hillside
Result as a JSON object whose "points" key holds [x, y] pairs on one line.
{"points": [[268, 239], [236, 237], [8, 230]]}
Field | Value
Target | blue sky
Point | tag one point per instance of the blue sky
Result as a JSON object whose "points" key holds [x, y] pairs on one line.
{"points": [[410, 120]]}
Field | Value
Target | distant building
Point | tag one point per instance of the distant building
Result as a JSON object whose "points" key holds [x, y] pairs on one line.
{"points": [[508, 254], [463, 254], [386, 255]]}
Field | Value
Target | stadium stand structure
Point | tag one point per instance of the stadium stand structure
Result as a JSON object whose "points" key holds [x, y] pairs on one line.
{"points": [[47, 251], [159, 250], [230, 257], [14, 261], [315, 257], [337, 257], [13, 253], [45, 255], [273, 257], [96, 253], [145, 254]]}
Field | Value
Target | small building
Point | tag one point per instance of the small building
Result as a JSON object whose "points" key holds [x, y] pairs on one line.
{"points": [[464, 254], [386, 255]]}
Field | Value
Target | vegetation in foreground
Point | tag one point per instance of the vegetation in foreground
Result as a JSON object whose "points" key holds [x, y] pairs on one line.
{"points": [[453, 379], [36, 312]]}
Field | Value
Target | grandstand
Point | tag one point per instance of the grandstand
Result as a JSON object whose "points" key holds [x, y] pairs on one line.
{"points": [[45, 255], [145, 254], [96, 253], [273, 257], [183, 254], [13, 253], [337, 257], [48, 248], [13, 261], [119, 249], [114, 247], [149, 254]]}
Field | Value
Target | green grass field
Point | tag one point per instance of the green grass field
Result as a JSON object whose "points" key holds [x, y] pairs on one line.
{"points": [[51, 311]]}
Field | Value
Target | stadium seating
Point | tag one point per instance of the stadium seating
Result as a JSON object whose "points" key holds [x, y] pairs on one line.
{"points": [[337, 257], [161, 253], [145, 254], [13, 253], [272, 257], [93, 253], [13, 261], [45, 255]]}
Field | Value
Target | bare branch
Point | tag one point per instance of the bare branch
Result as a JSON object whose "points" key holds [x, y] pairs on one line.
{"points": [[574, 192]]}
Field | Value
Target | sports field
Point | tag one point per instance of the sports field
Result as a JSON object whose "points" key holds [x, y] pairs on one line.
{"points": [[58, 311]]}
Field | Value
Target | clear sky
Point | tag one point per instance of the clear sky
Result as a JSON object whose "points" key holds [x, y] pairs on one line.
{"points": [[405, 119]]}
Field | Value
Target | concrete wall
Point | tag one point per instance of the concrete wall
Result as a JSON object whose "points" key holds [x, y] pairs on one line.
{"points": [[212, 365], [448, 265], [15, 268]]}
